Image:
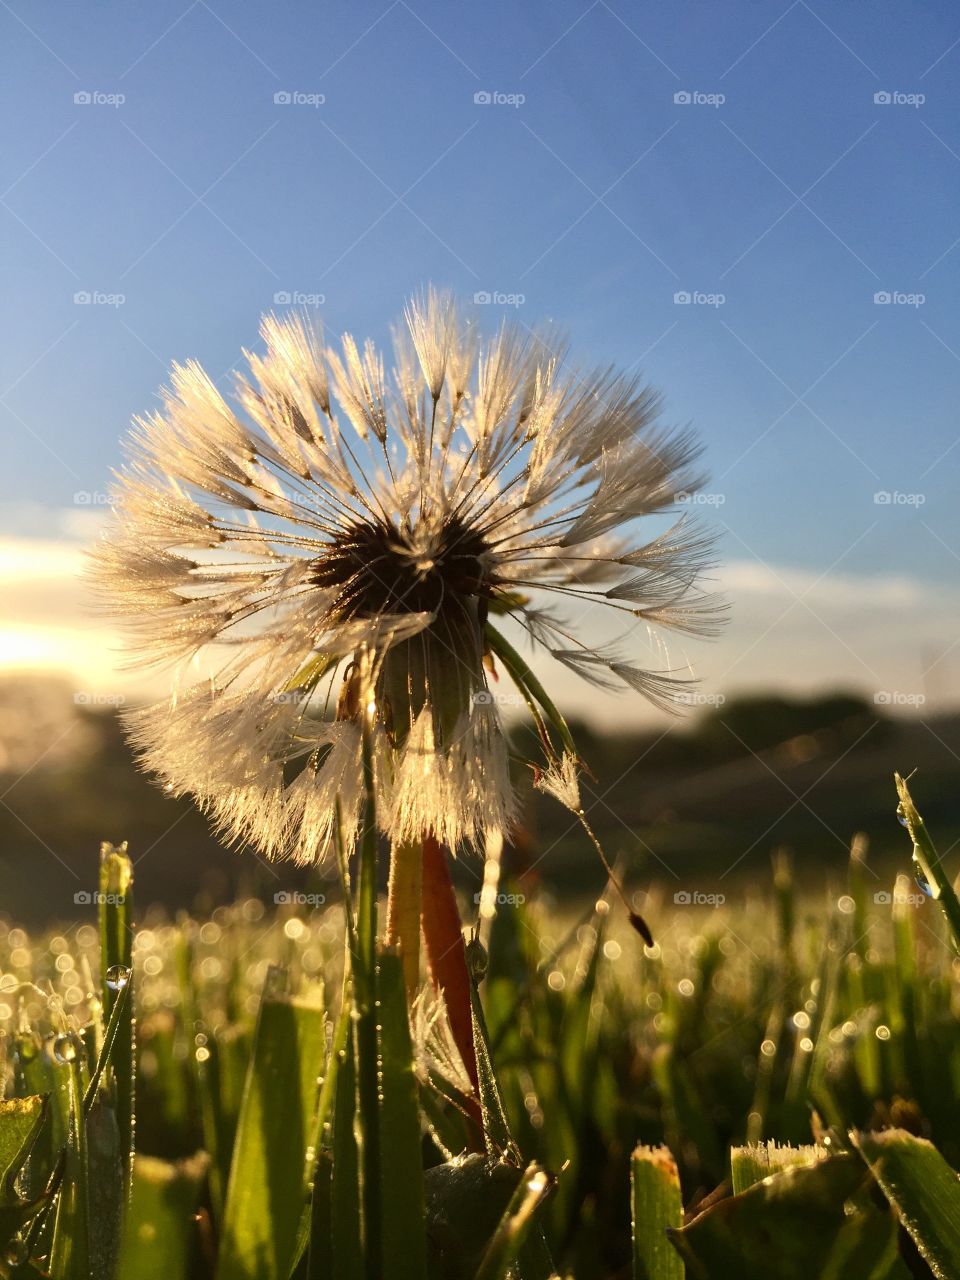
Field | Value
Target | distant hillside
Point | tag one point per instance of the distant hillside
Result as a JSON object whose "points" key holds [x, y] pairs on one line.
{"points": [[713, 796]]}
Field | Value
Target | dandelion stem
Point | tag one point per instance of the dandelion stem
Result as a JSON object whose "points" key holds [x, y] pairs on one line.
{"points": [[403, 909], [446, 956], [365, 987]]}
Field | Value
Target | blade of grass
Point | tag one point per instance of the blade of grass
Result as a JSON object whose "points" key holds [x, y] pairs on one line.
{"points": [[365, 994], [318, 1160], [158, 1227], [319, 1253], [756, 1161], [265, 1193], [496, 1129], [656, 1207], [70, 1249], [800, 1211], [204, 1071], [105, 1186], [113, 1038], [402, 1231], [514, 1227], [346, 1243], [116, 957], [534, 1257], [20, 1122], [924, 1191], [927, 860]]}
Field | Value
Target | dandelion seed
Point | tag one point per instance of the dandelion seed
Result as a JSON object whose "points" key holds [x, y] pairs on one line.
{"points": [[331, 549]]}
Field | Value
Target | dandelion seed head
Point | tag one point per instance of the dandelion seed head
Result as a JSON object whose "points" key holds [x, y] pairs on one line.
{"points": [[326, 548]]}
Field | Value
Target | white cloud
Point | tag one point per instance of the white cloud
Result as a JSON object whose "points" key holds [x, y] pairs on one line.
{"points": [[795, 630]]}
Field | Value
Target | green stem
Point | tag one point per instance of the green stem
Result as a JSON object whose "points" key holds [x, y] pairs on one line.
{"points": [[403, 909], [365, 984], [527, 682], [927, 860]]}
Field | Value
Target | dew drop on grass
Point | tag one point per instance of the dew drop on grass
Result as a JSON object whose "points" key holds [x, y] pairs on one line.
{"points": [[117, 977], [922, 881], [65, 1048], [901, 816]]}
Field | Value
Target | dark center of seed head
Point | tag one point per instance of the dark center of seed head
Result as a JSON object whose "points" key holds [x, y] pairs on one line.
{"points": [[379, 568]]}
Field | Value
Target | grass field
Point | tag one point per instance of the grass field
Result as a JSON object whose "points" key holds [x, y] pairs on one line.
{"points": [[801, 1018]]}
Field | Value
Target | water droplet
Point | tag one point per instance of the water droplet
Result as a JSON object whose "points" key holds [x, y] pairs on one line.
{"points": [[901, 816], [922, 881], [66, 1048], [16, 1253], [117, 977]]}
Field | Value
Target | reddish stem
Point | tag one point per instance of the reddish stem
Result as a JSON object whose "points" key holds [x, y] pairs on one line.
{"points": [[446, 956]]}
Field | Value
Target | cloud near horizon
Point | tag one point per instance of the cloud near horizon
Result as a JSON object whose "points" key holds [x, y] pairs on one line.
{"points": [[791, 630]]}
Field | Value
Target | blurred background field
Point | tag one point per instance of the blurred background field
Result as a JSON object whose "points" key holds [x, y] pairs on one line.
{"points": [[801, 984], [695, 807], [785, 1013]]}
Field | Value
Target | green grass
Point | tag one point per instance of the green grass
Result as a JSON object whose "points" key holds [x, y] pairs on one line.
{"points": [[287, 1124]]}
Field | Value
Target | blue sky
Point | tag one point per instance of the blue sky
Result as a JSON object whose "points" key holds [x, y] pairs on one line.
{"points": [[783, 197]]}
